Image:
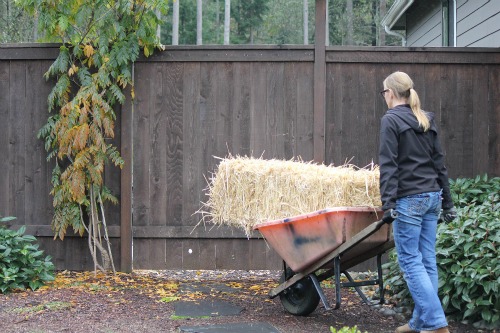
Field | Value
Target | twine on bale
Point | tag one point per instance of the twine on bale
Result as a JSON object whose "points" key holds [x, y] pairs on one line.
{"points": [[245, 191]]}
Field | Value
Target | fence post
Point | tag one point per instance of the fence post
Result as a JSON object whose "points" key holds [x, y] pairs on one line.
{"points": [[126, 236], [319, 82]]}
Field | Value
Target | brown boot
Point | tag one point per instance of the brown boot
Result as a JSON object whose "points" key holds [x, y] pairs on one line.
{"points": [[405, 329], [440, 330]]}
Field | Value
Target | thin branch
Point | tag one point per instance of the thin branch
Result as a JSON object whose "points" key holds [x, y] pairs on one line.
{"points": [[106, 236]]}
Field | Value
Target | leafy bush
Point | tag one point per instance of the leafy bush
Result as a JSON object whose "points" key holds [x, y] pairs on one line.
{"points": [[21, 263], [346, 330], [467, 255]]}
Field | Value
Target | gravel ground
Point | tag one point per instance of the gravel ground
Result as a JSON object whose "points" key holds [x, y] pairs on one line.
{"points": [[141, 302]]}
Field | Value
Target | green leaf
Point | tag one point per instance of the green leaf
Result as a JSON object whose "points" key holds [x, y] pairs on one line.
{"points": [[7, 219]]}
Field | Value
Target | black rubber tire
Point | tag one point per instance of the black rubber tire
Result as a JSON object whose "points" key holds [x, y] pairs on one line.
{"points": [[301, 299]]}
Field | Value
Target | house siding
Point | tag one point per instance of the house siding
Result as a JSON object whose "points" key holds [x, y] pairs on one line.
{"points": [[423, 25], [478, 23]]}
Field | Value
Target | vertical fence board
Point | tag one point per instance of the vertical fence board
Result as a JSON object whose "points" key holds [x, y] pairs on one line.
{"points": [[305, 111], [142, 148], [150, 253], [290, 112], [275, 110], [173, 84], [193, 122], [240, 103], [112, 173], [17, 139], [258, 112], [494, 121], [38, 171], [5, 152], [158, 168], [479, 107], [464, 111], [198, 254], [223, 112]]}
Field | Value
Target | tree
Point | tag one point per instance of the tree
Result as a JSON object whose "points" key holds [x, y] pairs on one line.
{"points": [[248, 16], [283, 22], [100, 41], [350, 23], [15, 25], [227, 21], [306, 22], [175, 25], [358, 22], [199, 22]]}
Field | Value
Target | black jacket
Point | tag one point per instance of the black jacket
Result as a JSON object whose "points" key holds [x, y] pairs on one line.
{"points": [[411, 160]]}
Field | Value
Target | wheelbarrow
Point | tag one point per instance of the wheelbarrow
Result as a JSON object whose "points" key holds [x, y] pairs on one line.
{"points": [[324, 244]]}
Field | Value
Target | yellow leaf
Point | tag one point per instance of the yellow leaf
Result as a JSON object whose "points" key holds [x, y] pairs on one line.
{"points": [[88, 50], [72, 70], [235, 285]]}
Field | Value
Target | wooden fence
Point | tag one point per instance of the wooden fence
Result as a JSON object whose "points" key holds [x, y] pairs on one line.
{"points": [[194, 104]]}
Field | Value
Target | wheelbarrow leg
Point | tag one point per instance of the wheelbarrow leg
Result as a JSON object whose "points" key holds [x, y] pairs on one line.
{"points": [[336, 265], [285, 271], [353, 284], [380, 278], [321, 294]]}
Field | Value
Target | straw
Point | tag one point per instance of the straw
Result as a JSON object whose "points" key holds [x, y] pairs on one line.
{"points": [[245, 191]]}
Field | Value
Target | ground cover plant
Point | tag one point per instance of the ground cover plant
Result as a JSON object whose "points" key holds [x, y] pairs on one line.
{"points": [[22, 264], [346, 329], [467, 255]]}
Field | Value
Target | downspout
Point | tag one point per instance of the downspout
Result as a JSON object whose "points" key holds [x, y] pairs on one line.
{"points": [[395, 12], [397, 34]]}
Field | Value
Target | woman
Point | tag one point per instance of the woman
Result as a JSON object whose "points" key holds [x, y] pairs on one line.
{"points": [[414, 188]]}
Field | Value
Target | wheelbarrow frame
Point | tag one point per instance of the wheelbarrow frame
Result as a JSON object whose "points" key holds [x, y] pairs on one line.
{"points": [[335, 258]]}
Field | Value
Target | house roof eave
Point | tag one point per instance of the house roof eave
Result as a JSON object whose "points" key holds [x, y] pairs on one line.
{"points": [[395, 12]]}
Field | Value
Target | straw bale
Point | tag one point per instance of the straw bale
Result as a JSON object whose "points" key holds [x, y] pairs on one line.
{"points": [[244, 191]]}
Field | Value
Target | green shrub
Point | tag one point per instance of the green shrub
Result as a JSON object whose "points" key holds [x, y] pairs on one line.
{"points": [[346, 330], [467, 255], [21, 263]]}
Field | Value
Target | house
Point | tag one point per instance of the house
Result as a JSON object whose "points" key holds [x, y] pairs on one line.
{"points": [[461, 23]]}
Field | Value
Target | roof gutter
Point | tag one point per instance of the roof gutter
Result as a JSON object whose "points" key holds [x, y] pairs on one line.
{"points": [[395, 12]]}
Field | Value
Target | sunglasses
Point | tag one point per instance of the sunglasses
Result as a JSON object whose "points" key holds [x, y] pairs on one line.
{"points": [[382, 93]]}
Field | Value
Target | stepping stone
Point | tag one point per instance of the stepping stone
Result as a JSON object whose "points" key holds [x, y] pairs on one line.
{"points": [[204, 308], [231, 328]]}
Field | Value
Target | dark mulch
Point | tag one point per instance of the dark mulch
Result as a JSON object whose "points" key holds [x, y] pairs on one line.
{"points": [[142, 302]]}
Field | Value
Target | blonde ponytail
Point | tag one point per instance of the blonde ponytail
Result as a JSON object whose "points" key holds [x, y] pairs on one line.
{"points": [[414, 102], [402, 86]]}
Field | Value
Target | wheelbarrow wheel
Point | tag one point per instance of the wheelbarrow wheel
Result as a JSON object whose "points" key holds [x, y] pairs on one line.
{"points": [[300, 299]]}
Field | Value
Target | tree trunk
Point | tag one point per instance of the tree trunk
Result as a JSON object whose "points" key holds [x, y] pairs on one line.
{"points": [[217, 21], [227, 21], [158, 28], [175, 23], [374, 23], [199, 22], [306, 22], [350, 25], [382, 11], [35, 27], [327, 31]]}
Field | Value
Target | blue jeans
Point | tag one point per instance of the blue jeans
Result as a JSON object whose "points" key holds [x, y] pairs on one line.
{"points": [[415, 237]]}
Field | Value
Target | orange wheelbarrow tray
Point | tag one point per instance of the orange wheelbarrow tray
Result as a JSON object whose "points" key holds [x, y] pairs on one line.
{"points": [[324, 244]]}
